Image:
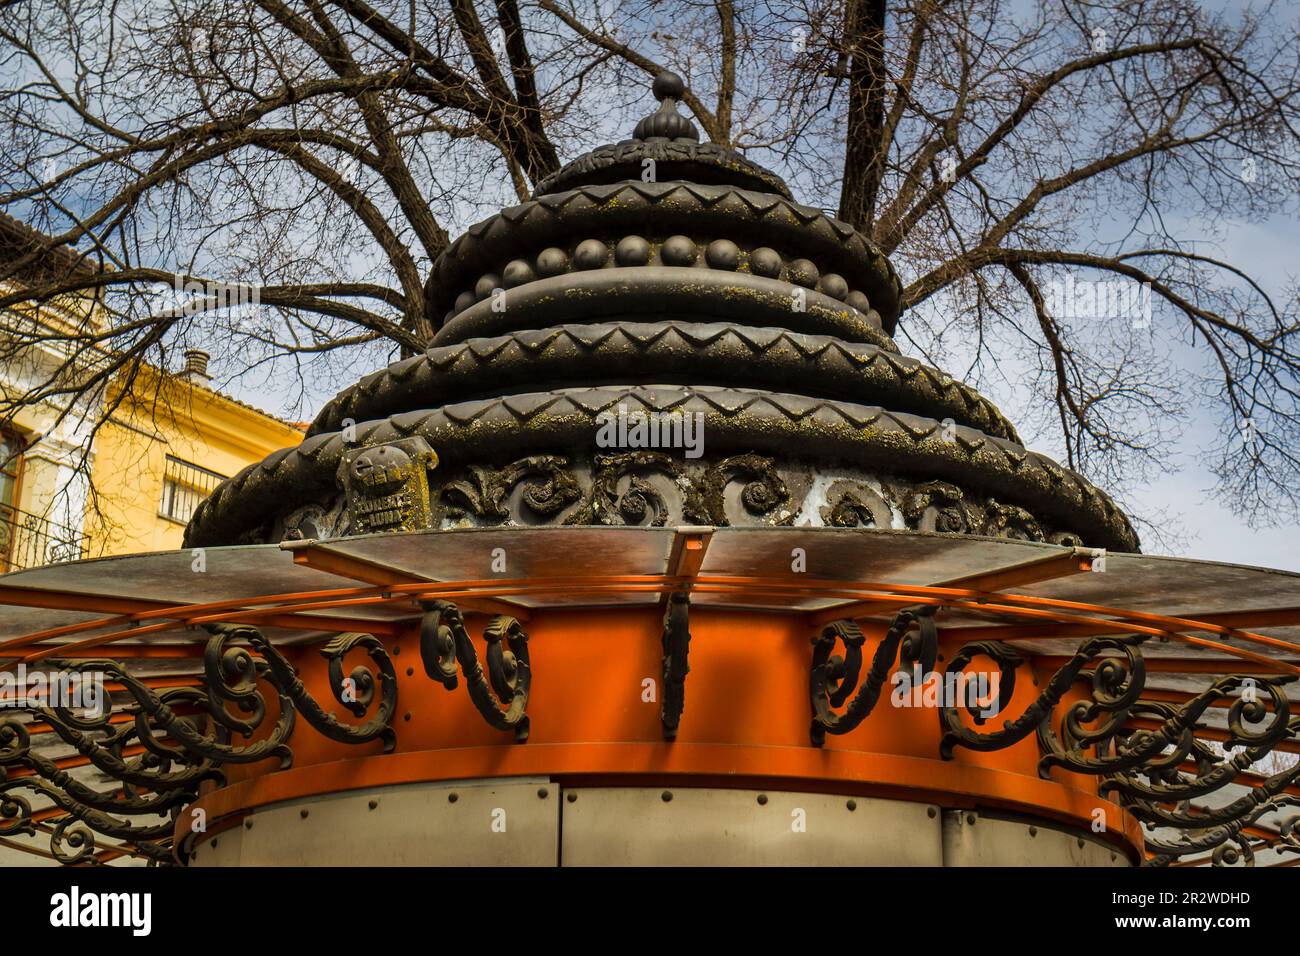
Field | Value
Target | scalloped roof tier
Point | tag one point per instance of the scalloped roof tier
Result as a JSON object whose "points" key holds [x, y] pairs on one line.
{"points": [[674, 281]]}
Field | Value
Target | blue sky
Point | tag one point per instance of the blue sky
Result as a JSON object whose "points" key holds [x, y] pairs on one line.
{"points": [[1268, 249]]}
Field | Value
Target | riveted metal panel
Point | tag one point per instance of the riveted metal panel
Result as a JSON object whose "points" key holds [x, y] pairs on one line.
{"points": [[222, 849], [637, 826], [971, 839], [468, 823]]}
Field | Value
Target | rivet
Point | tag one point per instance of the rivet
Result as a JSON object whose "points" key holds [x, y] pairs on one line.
{"points": [[214, 844], [667, 795], [410, 672], [453, 797], [970, 818], [248, 824], [373, 804], [397, 649], [1033, 831], [543, 792], [1081, 843], [762, 799], [931, 812], [1114, 856], [407, 716], [571, 796], [852, 805], [304, 813]]}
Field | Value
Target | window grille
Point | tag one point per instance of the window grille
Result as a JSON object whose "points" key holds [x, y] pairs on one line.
{"points": [[184, 486]]}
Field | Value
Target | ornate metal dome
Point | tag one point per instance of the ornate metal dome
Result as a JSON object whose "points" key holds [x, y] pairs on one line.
{"points": [[677, 288]]}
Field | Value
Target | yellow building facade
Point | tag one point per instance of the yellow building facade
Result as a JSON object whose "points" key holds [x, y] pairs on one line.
{"points": [[165, 445], [114, 471]]}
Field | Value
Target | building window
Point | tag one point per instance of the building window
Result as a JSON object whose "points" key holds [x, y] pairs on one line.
{"points": [[184, 486]]}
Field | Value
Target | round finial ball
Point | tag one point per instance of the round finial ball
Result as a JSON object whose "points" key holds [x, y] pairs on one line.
{"points": [[834, 286], [552, 262], [464, 301], [679, 251], [483, 288], [765, 262], [590, 254], [859, 301], [722, 254], [632, 251], [669, 85], [516, 273], [804, 273]]}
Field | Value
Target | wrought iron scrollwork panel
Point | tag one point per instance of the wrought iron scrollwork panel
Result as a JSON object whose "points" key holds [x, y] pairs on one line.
{"points": [[1146, 768], [175, 739], [1139, 749]]}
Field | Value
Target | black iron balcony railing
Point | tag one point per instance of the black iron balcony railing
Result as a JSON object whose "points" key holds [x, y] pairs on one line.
{"points": [[30, 541], [185, 485]]}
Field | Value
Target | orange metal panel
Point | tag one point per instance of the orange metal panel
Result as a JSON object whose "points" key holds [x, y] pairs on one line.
{"points": [[746, 719]]}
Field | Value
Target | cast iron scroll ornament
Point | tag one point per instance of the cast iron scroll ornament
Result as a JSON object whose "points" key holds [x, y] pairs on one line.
{"points": [[88, 811], [183, 737], [1288, 836], [230, 676], [1146, 768], [764, 490], [676, 647], [649, 474], [550, 488], [833, 678], [1116, 688], [153, 783], [83, 819], [444, 643], [356, 691]]}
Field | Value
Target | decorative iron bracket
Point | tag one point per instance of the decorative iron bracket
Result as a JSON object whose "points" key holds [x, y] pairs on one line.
{"points": [[833, 678], [676, 646], [444, 643]]}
